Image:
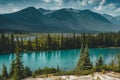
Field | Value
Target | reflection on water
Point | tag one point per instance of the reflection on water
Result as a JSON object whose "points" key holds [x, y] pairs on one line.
{"points": [[66, 59]]}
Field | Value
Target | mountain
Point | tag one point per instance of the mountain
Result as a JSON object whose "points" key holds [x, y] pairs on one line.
{"points": [[44, 11], [62, 20], [115, 20], [81, 20]]}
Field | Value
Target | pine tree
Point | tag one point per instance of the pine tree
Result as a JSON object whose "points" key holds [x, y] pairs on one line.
{"points": [[84, 62], [29, 45], [58, 69], [12, 43], [3, 44], [74, 39], [12, 69], [17, 42], [81, 59], [118, 60], [62, 43], [36, 43], [27, 72], [58, 43], [49, 42], [112, 65], [18, 66], [87, 62], [4, 72], [99, 62], [21, 44]]}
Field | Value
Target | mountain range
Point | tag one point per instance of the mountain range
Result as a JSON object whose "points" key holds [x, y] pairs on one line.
{"points": [[62, 20], [115, 20]]}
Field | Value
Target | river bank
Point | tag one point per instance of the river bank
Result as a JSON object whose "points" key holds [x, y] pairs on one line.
{"points": [[95, 76]]}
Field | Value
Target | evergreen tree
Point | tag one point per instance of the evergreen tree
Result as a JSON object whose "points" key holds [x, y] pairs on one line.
{"points": [[21, 44], [112, 65], [58, 42], [12, 43], [118, 60], [81, 59], [62, 43], [4, 72], [84, 62], [27, 72], [87, 62], [3, 44], [29, 45], [18, 66], [36, 43], [17, 42], [99, 62], [58, 69], [74, 40], [49, 42], [12, 69]]}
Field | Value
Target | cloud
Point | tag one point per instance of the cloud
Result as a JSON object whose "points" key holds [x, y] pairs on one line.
{"points": [[10, 4], [59, 2], [15, 9], [46, 1], [110, 9], [82, 3], [91, 2], [116, 12], [100, 6], [8, 9], [53, 1]]}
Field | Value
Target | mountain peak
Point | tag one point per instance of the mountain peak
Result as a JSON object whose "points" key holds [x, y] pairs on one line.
{"points": [[29, 8], [87, 11], [28, 11], [41, 9], [69, 10], [45, 11]]}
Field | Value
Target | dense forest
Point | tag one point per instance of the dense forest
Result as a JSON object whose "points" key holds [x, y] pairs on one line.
{"points": [[18, 71], [58, 41]]}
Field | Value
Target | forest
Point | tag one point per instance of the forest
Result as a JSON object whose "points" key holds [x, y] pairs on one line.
{"points": [[58, 41]]}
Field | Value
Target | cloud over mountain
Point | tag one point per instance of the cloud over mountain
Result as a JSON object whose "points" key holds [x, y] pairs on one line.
{"points": [[111, 7]]}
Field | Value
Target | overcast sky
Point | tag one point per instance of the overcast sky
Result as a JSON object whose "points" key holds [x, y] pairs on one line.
{"points": [[111, 7]]}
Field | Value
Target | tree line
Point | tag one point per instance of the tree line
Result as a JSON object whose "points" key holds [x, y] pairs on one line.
{"points": [[18, 71], [60, 41]]}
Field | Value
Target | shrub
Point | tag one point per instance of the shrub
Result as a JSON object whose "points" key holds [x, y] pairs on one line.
{"points": [[84, 72], [33, 75], [46, 71]]}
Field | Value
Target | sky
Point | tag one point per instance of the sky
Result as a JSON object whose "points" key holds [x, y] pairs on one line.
{"points": [[111, 7]]}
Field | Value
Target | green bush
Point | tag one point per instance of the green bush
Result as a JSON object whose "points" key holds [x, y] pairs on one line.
{"points": [[84, 72], [33, 75], [0, 77], [46, 71], [60, 73]]}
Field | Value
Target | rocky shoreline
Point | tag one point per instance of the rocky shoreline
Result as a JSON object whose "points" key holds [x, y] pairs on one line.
{"points": [[95, 76]]}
